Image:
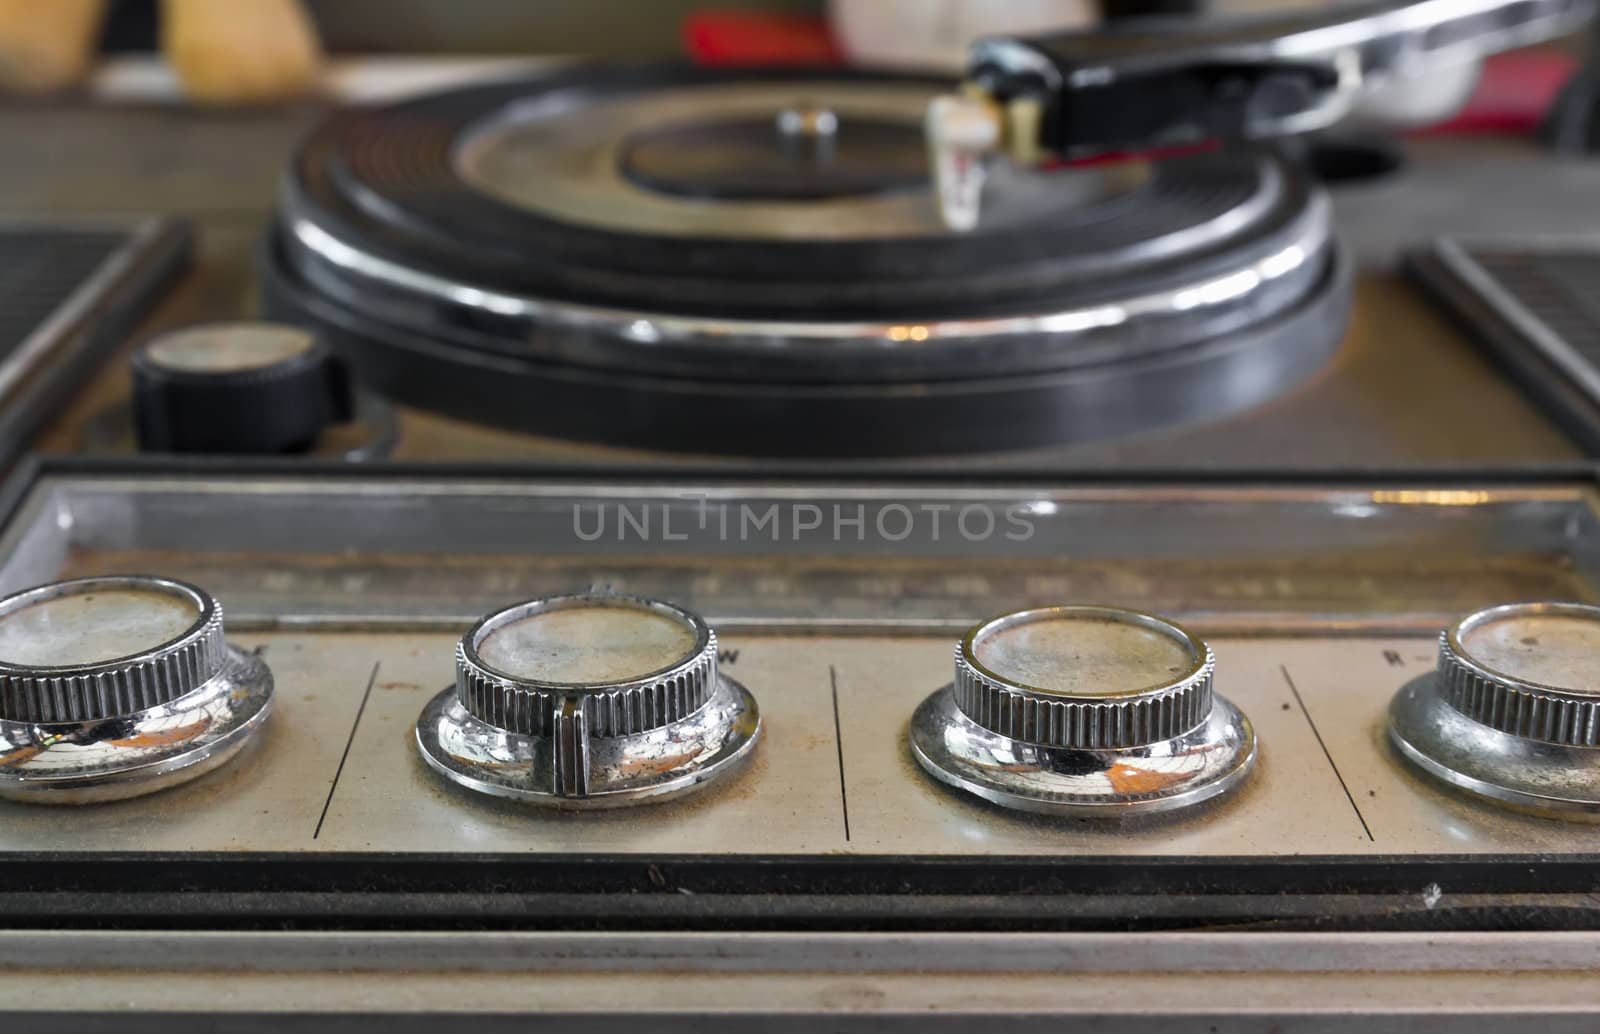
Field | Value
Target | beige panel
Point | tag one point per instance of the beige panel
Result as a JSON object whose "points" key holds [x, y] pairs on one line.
{"points": [[789, 800]]}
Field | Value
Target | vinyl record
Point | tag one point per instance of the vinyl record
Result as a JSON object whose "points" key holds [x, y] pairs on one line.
{"points": [[751, 262]]}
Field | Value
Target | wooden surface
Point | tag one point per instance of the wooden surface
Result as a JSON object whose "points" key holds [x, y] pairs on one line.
{"points": [[1405, 390]]}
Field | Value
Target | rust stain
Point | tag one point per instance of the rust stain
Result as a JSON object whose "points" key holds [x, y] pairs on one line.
{"points": [[21, 756], [164, 737], [661, 765], [1127, 779]]}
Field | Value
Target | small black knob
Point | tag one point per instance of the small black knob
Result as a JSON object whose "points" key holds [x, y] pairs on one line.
{"points": [[1572, 125], [237, 388]]}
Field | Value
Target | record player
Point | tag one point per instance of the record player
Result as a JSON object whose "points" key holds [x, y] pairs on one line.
{"points": [[833, 548], [707, 261], [672, 274], [606, 266]]}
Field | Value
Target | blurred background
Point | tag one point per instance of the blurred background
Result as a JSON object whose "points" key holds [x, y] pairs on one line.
{"points": [[612, 28]]}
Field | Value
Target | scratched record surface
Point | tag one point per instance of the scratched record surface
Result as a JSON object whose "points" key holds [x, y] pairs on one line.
{"points": [[751, 262]]}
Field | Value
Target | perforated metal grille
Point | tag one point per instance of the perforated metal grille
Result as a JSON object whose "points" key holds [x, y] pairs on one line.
{"points": [[1535, 303], [40, 268], [1560, 289]]}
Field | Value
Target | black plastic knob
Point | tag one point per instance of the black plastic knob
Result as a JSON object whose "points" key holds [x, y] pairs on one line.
{"points": [[1572, 125], [237, 388]]}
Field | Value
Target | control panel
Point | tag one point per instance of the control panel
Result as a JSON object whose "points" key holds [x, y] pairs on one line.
{"points": [[457, 664]]}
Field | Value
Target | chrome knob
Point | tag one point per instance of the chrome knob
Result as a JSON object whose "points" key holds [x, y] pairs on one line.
{"points": [[591, 700], [1087, 678], [82, 651], [518, 668], [116, 686], [1083, 710], [1512, 710], [1530, 670]]}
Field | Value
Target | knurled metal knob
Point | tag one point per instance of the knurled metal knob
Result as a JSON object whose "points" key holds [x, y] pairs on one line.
{"points": [[1085, 677], [119, 685], [1529, 670], [516, 669], [608, 699], [83, 650], [1083, 710], [1511, 712]]}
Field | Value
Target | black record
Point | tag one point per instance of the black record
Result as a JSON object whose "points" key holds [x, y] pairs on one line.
{"points": [[751, 262]]}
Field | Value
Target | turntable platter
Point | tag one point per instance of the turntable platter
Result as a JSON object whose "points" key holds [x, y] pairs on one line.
{"points": [[711, 261]]}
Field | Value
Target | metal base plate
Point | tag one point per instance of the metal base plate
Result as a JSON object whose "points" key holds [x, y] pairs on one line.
{"points": [[658, 765], [131, 756], [1174, 774], [1543, 778]]}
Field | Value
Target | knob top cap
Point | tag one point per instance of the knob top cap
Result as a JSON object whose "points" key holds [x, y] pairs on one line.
{"points": [[222, 349]]}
